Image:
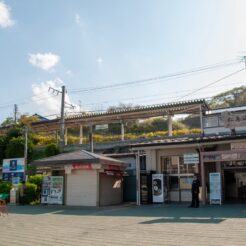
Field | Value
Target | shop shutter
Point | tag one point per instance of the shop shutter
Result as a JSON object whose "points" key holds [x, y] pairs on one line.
{"points": [[82, 188]]}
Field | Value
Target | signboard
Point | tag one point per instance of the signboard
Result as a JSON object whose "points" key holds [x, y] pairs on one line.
{"points": [[157, 188], [215, 188], [81, 167], [233, 120], [236, 146], [13, 168], [102, 127], [52, 190], [86, 166], [15, 180], [191, 158], [229, 156]]}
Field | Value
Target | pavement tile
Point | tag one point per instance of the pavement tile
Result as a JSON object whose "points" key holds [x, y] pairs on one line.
{"points": [[124, 225]]}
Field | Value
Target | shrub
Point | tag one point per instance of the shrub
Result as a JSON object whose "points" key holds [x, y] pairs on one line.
{"points": [[31, 193], [36, 179], [5, 187]]}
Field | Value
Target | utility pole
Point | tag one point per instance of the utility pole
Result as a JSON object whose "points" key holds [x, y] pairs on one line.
{"points": [[91, 138], [62, 120], [26, 147], [62, 123], [15, 113]]}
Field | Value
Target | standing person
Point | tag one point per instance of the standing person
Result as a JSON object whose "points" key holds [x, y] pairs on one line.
{"points": [[195, 192], [23, 193]]}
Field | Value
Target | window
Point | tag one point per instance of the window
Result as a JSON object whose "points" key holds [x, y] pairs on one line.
{"points": [[212, 121], [174, 182], [187, 168], [142, 159], [165, 164], [170, 164]]}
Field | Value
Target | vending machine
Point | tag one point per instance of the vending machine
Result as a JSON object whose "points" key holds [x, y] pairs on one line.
{"points": [[158, 188]]}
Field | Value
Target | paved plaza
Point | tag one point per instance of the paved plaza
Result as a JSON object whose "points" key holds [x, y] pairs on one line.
{"points": [[124, 225]]}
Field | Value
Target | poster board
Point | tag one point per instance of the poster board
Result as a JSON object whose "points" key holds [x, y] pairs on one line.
{"points": [[52, 190], [185, 182], [13, 168], [157, 188], [215, 188]]}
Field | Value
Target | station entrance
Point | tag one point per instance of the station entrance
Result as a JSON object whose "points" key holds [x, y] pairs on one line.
{"points": [[234, 184], [232, 166]]}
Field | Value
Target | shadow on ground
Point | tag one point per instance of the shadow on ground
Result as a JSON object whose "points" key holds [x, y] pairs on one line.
{"points": [[166, 213]]}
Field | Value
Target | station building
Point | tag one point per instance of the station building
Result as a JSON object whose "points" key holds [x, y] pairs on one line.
{"points": [[220, 148]]}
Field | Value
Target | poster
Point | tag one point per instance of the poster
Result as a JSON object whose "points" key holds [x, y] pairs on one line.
{"points": [[215, 188], [52, 190], [13, 168], [185, 183], [56, 190], [45, 189], [157, 188]]}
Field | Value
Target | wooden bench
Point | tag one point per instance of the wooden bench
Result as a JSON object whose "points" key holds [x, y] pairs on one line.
{"points": [[3, 208]]}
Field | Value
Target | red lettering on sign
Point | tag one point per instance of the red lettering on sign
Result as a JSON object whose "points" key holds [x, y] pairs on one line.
{"points": [[81, 167]]}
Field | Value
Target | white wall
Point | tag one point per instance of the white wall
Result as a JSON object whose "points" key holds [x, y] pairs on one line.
{"points": [[151, 160]]}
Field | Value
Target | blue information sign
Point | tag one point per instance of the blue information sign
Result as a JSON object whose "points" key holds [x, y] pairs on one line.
{"points": [[13, 168]]}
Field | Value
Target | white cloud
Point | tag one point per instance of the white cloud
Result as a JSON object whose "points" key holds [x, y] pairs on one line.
{"points": [[77, 19], [48, 102], [80, 22], [99, 60], [5, 17], [69, 72], [45, 61]]}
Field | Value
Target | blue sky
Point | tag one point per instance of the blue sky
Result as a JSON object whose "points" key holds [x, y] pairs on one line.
{"points": [[84, 44]]}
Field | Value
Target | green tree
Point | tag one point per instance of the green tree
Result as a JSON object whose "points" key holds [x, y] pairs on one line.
{"points": [[2, 149], [15, 148], [13, 133], [9, 121], [51, 149], [230, 98], [192, 121]]}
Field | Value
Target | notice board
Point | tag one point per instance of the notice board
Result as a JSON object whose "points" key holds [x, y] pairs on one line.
{"points": [[52, 190], [215, 188]]}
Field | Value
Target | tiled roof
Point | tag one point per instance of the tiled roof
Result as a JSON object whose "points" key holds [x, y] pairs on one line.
{"points": [[124, 114], [80, 156], [188, 140], [173, 105]]}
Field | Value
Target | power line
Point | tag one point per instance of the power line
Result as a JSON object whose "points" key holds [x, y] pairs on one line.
{"points": [[214, 82], [136, 82], [28, 102], [150, 96], [159, 78]]}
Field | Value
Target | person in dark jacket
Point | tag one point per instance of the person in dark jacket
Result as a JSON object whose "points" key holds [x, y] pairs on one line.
{"points": [[195, 192]]}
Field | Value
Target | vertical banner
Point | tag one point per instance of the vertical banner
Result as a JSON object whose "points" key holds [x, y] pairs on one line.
{"points": [[215, 188], [157, 188]]}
